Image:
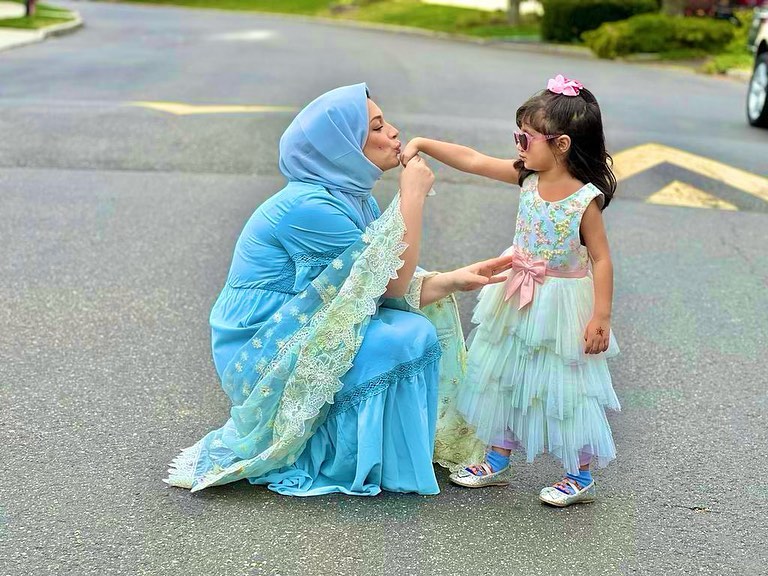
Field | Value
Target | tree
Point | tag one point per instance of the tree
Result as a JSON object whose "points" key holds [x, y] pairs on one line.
{"points": [[513, 12], [30, 6], [673, 7]]}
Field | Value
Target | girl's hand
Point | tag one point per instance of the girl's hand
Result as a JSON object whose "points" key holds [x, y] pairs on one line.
{"points": [[596, 336], [411, 149], [480, 274], [416, 178]]}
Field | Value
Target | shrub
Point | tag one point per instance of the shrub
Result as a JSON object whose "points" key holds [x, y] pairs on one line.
{"points": [[659, 33], [566, 20]]}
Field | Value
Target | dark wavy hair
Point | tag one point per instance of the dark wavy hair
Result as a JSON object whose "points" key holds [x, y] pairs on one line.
{"points": [[579, 117]]}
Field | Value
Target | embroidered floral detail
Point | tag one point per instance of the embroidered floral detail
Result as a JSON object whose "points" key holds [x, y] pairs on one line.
{"points": [[338, 264], [265, 390], [256, 343], [239, 367], [243, 355], [550, 231], [277, 317], [413, 296]]}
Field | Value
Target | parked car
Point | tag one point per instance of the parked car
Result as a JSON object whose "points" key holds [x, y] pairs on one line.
{"points": [[757, 97]]}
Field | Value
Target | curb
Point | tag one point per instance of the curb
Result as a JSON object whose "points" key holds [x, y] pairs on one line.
{"points": [[26, 37], [64, 28]]}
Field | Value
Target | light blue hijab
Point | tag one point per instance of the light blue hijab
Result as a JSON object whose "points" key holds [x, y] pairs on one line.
{"points": [[324, 145]]}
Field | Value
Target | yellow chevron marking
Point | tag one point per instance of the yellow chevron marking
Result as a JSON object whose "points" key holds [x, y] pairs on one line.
{"points": [[629, 162], [679, 193], [180, 109]]}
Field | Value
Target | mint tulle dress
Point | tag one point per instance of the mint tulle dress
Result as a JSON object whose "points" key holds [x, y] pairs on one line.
{"points": [[529, 385], [333, 387]]}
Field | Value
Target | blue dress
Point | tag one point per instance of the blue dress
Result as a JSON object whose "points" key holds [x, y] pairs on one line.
{"points": [[379, 432]]}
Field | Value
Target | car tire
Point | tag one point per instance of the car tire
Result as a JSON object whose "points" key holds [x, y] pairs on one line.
{"points": [[757, 97]]}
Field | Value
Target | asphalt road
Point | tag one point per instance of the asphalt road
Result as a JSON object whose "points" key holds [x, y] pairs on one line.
{"points": [[117, 224]]}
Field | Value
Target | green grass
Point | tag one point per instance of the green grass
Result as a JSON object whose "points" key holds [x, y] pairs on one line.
{"points": [[721, 63], [410, 13], [45, 15]]}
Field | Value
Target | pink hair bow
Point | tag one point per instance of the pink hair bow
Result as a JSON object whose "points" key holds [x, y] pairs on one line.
{"points": [[526, 273], [561, 85]]}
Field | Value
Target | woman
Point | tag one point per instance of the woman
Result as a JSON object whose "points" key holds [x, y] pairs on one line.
{"points": [[318, 335]]}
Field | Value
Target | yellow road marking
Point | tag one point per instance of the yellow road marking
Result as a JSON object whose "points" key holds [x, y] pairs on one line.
{"points": [[629, 162], [186, 109], [681, 194]]}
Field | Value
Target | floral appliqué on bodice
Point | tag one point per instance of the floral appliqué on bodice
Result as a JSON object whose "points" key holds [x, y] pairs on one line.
{"points": [[550, 230]]}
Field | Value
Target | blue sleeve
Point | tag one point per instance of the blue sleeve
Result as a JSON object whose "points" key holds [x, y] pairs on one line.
{"points": [[314, 233]]}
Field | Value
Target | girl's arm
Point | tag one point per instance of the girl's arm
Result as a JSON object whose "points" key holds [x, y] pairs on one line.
{"points": [[596, 335], [463, 158]]}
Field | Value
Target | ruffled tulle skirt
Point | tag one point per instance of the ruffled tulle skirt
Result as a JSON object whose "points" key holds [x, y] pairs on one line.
{"points": [[530, 385]]}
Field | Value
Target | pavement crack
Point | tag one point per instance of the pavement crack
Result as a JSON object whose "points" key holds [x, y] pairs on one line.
{"points": [[738, 250], [695, 508]]}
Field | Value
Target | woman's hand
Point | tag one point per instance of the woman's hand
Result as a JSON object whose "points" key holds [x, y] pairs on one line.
{"points": [[411, 149], [480, 274], [596, 335], [416, 178], [464, 279]]}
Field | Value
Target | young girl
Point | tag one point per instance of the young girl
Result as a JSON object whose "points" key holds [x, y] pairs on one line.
{"points": [[537, 378]]}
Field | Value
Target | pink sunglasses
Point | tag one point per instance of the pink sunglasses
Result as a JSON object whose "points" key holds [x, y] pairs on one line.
{"points": [[523, 139]]}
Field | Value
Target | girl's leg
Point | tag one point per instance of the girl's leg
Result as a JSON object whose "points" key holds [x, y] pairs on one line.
{"points": [[497, 457], [584, 477], [493, 471]]}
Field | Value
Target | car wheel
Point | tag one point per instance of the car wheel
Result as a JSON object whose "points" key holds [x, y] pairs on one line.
{"points": [[757, 98]]}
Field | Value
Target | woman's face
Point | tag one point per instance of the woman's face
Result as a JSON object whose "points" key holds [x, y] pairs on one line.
{"points": [[382, 146]]}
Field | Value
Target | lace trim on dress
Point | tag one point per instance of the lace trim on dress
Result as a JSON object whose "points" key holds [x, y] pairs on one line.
{"points": [[413, 296], [383, 381], [286, 281], [315, 258]]}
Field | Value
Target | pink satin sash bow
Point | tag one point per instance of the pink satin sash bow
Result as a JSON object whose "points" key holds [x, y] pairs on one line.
{"points": [[526, 273]]}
